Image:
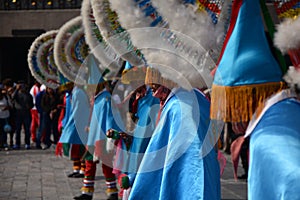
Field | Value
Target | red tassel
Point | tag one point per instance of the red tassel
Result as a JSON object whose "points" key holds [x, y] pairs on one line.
{"points": [[59, 149], [123, 181], [295, 57]]}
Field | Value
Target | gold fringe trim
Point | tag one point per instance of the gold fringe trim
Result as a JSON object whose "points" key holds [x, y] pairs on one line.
{"points": [[87, 190], [153, 76], [238, 103], [67, 86], [111, 191], [134, 74]]}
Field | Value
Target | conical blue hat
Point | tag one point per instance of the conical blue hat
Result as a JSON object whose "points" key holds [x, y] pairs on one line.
{"points": [[94, 74], [247, 72], [128, 66]]}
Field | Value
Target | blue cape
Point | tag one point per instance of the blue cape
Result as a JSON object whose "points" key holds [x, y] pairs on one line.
{"points": [[68, 109], [275, 153], [74, 131], [172, 167], [148, 107], [103, 118]]}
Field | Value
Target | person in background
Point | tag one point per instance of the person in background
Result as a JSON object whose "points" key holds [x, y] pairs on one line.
{"points": [[9, 87], [49, 104], [35, 89], [23, 103], [5, 105], [40, 137]]}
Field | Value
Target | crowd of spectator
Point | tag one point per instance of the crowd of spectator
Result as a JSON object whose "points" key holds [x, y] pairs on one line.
{"points": [[32, 110]]}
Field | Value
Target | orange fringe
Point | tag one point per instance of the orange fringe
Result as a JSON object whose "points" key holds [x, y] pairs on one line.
{"points": [[238, 103]]}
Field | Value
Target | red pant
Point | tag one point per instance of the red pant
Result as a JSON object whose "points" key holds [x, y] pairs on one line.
{"points": [[89, 177], [34, 123]]}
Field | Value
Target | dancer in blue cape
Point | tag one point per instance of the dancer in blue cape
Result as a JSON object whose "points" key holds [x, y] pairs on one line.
{"points": [[74, 134], [275, 149], [144, 107], [147, 110], [173, 166], [274, 135], [245, 84], [102, 119]]}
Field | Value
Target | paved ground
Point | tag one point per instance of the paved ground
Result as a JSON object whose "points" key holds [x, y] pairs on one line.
{"points": [[38, 174]]}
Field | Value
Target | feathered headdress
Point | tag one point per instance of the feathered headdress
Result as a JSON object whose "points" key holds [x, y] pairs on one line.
{"points": [[70, 48], [201, 20], [287, 38], [177, 57], [287, 8], [41, 62], [98, 46], [247, 72], [114, 34]]}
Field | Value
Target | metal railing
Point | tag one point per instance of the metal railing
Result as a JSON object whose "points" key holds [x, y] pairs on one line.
{"points": [[39, 4]]}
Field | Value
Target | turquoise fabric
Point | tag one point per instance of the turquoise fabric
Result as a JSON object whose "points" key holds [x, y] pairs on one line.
{"points": [[128, 66], [94, 76], [68, 109], [74, 131], [247, 58], [148, 107], [172, 167], [274, 170], [103, 118]]}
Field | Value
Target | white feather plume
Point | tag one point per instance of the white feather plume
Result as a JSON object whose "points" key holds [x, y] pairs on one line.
{"points": [[189, 21], [292, 77], [130, 16], [287, 35], [188, 68]]}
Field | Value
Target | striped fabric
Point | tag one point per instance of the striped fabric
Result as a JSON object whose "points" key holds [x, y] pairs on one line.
{"points": [[89, 178]]}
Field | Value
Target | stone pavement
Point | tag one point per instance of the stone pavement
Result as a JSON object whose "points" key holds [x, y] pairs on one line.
{"points": [[40, 175]]}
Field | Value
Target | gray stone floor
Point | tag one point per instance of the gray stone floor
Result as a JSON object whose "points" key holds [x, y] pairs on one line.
{"points": [[38, 174]]}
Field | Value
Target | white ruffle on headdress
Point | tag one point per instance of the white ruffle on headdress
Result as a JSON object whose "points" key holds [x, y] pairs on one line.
{"points": [[62, 49], [113, 33], [40, 60], [101, 49]]}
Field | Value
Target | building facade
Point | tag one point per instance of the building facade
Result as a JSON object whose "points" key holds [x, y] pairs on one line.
{"points": [[21, 21]]}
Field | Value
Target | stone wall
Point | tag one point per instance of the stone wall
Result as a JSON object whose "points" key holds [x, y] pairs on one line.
{"points": [[26, 20]]}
